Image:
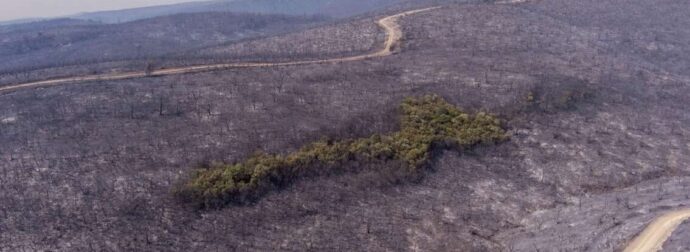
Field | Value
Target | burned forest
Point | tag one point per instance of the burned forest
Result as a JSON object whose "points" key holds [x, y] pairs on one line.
{"points": [[396, 125]]}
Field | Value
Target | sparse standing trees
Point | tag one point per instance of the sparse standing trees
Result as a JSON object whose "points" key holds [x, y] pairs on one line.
{"points": [[160, 106], [149, 69]]}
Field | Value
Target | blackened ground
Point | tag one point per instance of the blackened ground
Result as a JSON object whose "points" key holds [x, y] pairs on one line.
{"points": [[91, 166]]}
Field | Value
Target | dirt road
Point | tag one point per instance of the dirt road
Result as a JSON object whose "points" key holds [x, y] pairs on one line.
{"points": [[389, 24], [656, 233]]}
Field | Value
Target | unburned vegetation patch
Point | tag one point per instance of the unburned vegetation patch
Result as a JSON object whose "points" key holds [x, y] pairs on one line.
{"points": [[426, 123]]}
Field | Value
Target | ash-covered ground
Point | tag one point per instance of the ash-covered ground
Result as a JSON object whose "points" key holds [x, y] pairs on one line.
{"points": [[595, 105]]}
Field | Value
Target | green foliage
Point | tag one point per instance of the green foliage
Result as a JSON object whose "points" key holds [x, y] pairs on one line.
{"points": [[426, 122]]}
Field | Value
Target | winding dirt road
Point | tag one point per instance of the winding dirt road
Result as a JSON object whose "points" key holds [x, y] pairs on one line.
{"points": [[389, 24], [656, 233]]}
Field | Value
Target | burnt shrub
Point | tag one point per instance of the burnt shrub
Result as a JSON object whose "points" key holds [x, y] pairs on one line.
{"points": [[555, 94]]}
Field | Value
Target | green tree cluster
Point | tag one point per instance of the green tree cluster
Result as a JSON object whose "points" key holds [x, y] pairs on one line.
{"points": [[426, 122]]}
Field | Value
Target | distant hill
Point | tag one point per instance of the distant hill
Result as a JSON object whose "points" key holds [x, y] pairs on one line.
{"points": [[156, 31], [72, 41], [39, 24], [335, 8], [19, 21]]}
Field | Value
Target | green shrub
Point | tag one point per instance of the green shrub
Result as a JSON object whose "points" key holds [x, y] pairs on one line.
{"points": [[426, 122]]}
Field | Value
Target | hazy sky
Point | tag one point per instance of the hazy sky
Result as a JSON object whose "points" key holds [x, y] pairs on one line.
{"points": [[16, 9]]}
